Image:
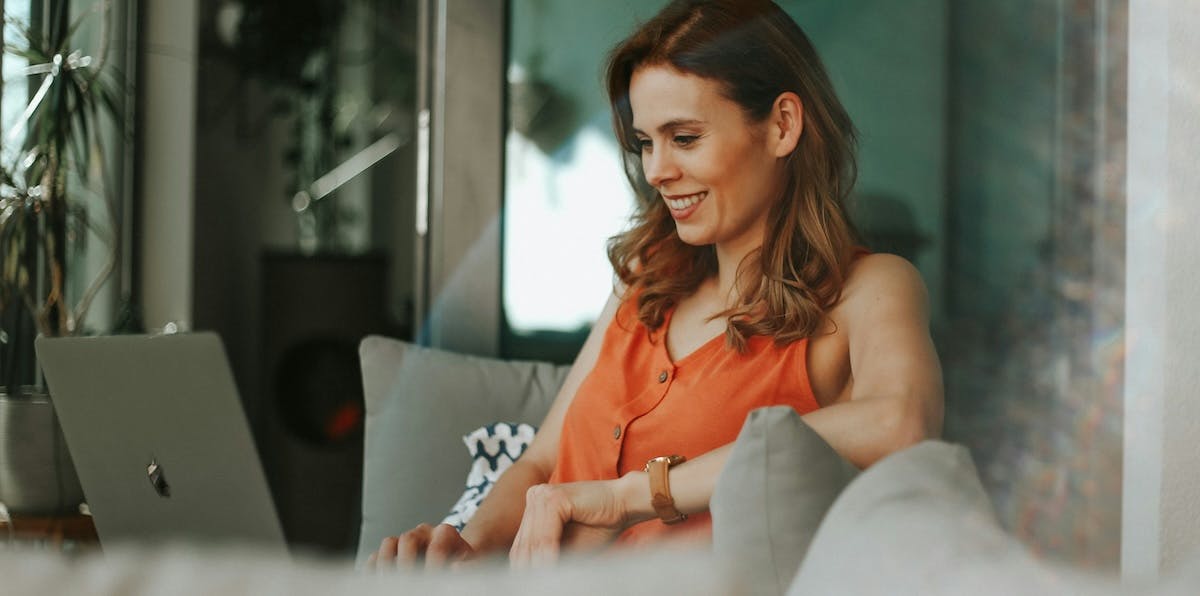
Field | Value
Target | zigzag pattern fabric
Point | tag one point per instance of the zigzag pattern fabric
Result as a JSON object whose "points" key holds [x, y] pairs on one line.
{"points": [[493, 449]]}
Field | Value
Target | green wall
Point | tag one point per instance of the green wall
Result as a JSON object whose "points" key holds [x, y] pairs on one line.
{"points": [[888, 61]]}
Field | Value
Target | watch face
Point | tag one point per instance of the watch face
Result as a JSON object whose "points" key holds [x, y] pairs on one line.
{"points": [[668, 460]]}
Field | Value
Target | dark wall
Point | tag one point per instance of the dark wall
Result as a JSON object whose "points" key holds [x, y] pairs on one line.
{"points": [[246, 174]]}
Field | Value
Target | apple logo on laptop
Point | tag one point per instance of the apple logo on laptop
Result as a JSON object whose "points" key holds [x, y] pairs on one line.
{"points": [[158, 480]]}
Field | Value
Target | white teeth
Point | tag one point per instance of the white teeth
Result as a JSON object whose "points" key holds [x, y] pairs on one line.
{"points": [[684, 203]]}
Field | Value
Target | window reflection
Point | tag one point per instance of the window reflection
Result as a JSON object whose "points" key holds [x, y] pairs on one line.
{"points": [[565, 190], [1033, 349], [992, 148], [574, 198], [14, 91]]}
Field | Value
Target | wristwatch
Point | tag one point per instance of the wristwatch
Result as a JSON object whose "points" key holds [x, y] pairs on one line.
{"points": [[660, 488]]}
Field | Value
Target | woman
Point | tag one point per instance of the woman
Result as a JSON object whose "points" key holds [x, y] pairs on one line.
{"points": [[740, 286]]}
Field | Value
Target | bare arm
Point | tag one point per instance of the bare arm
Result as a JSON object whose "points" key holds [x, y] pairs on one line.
{"points": [[495, 523], [896, 401]]}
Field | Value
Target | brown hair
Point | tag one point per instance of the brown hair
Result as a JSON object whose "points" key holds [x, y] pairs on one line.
{"points": [[756, 52]]}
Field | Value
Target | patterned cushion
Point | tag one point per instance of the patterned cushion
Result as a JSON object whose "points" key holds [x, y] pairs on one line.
{"points": [[493, 449]]}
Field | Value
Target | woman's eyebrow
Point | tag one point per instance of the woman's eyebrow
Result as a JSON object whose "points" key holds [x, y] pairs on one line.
{"points": [[673, 124]]}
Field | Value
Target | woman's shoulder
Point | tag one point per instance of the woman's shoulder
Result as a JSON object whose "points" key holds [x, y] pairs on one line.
{"points": [[881, 267], [878, 279]]}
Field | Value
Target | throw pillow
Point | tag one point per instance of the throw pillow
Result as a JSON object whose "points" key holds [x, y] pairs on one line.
{"points": [[493, 449], [777, 484]]}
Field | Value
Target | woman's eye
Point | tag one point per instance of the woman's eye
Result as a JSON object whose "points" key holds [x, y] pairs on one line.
{"points": [[644, 144], [685, 140]]}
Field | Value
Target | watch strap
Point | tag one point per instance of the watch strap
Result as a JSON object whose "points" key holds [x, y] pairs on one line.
{"points": [[660, 488]]}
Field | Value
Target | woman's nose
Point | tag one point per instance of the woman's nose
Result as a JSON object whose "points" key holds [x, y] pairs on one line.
{"points": [[659, 168]]}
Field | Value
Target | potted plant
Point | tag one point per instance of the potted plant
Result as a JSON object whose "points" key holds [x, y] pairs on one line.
{"points": [[52, 198]]}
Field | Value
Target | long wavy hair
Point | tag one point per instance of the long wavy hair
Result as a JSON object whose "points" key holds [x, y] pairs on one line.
{"points": [[755, 52]]}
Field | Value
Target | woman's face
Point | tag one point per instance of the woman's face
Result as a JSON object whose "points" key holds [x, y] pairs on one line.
{"points": [[714, 169]]}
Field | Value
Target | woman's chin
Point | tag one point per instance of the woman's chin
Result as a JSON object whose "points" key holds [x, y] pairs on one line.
{"points": [[692, 237]]}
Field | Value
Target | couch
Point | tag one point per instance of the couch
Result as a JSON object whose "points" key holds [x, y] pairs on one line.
{"points": [[790, 517], [789, 514]]}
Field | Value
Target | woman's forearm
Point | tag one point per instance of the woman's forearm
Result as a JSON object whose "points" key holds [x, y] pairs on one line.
{"points": [[865, 430], [496, 521], [861, 431], [691, 483]]}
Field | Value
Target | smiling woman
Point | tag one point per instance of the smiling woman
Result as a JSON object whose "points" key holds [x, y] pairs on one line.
{"points": [[737, 104], [711, 151], [740, 285]]}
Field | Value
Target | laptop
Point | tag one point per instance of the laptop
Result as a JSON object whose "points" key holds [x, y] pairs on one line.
{"points": [[159, 439]]}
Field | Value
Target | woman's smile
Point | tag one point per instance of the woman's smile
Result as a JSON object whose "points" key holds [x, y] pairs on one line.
{"points": [[683, 206]]}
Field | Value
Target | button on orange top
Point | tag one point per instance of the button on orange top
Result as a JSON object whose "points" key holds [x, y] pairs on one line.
{"points": [[698, 408]]}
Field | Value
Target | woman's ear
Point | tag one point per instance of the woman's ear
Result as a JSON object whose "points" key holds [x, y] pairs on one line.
{"points": [[787, 122]]}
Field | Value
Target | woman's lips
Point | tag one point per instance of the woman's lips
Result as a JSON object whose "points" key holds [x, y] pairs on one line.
{"points": [[682, 206]]}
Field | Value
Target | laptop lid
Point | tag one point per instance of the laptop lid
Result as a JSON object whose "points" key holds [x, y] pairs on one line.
{"points": [[159, 439]]}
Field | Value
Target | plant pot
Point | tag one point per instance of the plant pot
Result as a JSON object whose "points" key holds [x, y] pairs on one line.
{"points": [[37, 476]]}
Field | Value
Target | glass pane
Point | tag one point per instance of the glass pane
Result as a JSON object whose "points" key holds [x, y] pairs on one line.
{"points": [[66, 182], [565, 191], [991, 156], [304, 207], [14, 92], [1033, 341]]}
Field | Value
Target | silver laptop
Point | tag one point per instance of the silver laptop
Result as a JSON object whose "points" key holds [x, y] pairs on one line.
{"points": [[159, 439]]}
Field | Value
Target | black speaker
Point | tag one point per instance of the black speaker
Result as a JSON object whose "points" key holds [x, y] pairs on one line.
{"points": [[315, 311]]}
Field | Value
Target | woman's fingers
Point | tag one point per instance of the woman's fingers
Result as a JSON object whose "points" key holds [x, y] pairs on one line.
{"points": [[578, 537], [552, 514], [577, 515], [385, 557], [446, 545], [546, 512], [436, 547], [412, 545], [516, 553], [400, 551]]}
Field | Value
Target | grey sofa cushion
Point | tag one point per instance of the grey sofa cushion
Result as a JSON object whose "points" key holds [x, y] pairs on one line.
{"points": [[919, 522], [420, 402], [921, 498], [777, 484]]}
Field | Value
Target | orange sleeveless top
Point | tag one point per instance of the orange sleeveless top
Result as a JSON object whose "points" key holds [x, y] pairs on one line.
{"points": [[637, 404]]}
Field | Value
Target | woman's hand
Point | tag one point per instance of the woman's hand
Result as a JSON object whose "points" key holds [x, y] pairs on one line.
{"points": [[438, 546], [575, 515]]}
